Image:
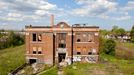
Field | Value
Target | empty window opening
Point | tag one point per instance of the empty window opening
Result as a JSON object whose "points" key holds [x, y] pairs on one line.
{"points": [[78, 53], [89, 53], [31, 61], [78, 40], [34, 52], [39, 52], [61, 45], [34, 37]]}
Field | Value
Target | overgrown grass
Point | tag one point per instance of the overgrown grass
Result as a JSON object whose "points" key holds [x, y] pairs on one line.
{"points": [[11, 58], [52, 71], [128, 45], [109, 66], [125, 50]]}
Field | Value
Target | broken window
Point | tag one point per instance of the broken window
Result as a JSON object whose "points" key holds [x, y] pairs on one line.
{"points": [[89, 53], [40, 50], [39, 37], [34, 50], [61, 45], [89, 38], [34, 37], [78, 53], [78, 40]]}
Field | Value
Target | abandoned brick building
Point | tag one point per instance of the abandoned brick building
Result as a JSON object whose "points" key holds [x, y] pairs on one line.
{"points": [[62, 42]]}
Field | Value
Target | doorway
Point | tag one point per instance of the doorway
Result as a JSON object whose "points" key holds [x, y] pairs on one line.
{"points": [[61, 57], [31, 61]]}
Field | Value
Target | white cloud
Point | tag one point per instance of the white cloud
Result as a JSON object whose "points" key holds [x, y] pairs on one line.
{"points": [[94, 7], [14, 15], [19, 10], [105, 9]]}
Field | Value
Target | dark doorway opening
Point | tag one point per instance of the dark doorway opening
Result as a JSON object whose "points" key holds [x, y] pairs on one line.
{"points": [[61, 57], [31, 61]]}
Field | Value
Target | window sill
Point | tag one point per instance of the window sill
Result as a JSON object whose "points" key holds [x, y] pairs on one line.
{"points": [[36, 42], [35, 54], [84, 42]]}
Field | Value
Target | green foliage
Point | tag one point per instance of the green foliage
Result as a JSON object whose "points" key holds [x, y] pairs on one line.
{"points": [[116, 31], [110, 66], [132, 34], [11, 39], [120, 31], [52, 71], [107, 46]]}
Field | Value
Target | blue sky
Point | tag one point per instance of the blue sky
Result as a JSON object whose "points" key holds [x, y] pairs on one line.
{"points": [[15, 14]]}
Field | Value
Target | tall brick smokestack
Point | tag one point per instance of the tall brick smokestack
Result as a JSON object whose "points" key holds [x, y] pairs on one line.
{"points": [[52, 20]]}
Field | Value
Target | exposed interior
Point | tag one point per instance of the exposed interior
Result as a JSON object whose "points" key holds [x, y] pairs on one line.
{"points": [[31, 61], [61, 57]]}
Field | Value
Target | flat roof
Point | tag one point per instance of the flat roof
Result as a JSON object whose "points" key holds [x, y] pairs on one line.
{"points": [[30, 26]]}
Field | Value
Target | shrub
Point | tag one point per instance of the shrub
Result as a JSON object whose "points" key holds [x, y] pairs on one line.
{"points": [[109, 47]]}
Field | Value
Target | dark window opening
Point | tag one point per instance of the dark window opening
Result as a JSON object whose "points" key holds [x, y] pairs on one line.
{"points": [[34, 52], [62, 45], [78, 40], [61, 57], [31, 61], [39, 52], [89, 53], [89, 40], [78, 53], [34, 37]]}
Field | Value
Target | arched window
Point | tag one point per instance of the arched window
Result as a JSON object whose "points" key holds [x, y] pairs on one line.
{"points": [[78, 40]]}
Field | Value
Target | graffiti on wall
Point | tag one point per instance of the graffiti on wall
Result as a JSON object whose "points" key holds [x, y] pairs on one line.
{"points": [[90, 59]]}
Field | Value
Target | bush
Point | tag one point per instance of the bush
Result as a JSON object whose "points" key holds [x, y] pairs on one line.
{"points": [[107, 46]]}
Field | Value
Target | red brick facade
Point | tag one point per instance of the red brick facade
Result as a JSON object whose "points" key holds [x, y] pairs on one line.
{"points": [[62, 42]]}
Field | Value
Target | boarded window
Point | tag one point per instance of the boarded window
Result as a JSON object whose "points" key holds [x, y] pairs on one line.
{"points": [[84, 49], [78, 49]]}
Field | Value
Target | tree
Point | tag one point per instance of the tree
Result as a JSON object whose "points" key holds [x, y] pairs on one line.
{"points": [[120, 31], [109, 47], [132, 34], [116, 31]]}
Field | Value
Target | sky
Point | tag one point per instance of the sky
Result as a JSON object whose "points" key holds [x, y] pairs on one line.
{"points": [[15, 14]]}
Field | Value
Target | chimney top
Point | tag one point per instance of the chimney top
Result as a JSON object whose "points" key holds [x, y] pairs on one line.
{"points": [[52, 20]]}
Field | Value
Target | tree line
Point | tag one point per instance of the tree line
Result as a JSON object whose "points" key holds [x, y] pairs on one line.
{"points": [[116, 31], [10, 39]]}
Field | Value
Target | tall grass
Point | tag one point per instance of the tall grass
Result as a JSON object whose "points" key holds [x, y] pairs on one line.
{"points": [[11, 58]]}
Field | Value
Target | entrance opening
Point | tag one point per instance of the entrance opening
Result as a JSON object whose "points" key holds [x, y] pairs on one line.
{"points": [[61, 57], [31, 61]]}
